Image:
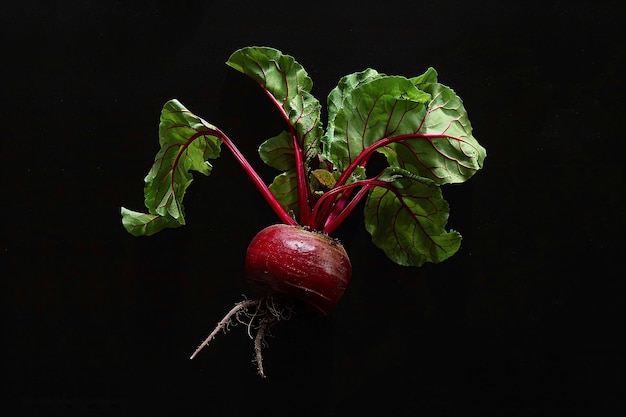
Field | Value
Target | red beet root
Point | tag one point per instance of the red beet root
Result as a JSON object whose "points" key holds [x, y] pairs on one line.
{"points": [[301, 264], [287, 262]]}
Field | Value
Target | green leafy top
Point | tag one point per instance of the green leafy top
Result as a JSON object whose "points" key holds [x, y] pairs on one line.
{"points": [[419, 125]]}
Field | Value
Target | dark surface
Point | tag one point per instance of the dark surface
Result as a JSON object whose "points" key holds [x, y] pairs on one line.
{"points": [[523, 321]]}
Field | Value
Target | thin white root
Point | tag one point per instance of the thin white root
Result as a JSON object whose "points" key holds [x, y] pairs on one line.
{"points": [[261, 314], [240, 307], [259, 339]]}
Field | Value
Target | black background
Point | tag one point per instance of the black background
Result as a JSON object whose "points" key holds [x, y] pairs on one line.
{"points": [[523, 321]]}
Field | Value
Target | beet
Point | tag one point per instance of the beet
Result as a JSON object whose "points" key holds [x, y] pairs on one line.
{"points": [[299, 263], [419, 125]]}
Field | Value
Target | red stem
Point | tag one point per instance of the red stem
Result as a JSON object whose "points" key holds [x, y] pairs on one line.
{"points": [[362, 158], [301, 178], [334, 214], [302, 183], [335, 221], [256, 179]]}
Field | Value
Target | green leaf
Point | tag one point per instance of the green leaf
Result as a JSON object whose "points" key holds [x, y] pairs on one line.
{"points": [[187, 142], [430, 76], [345, 86], [290, 86], [335, 102], [444, 148], [376, 109], [277, 152], [322, 180], [285, 189], [143, 224], [407, 219], [425, 123]]}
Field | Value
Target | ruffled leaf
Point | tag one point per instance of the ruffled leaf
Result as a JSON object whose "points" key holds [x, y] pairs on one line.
{"points": [[423, 124], [407, 219], [187, 142], [285, 189], [443, 147], [286, 81], [382, 107], [278, 153]]}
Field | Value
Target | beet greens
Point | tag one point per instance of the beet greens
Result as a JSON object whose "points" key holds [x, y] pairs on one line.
{"points": [[419, 126]]}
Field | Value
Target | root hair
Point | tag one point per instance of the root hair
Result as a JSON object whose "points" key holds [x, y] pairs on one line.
{"points": [[259, 316]]}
